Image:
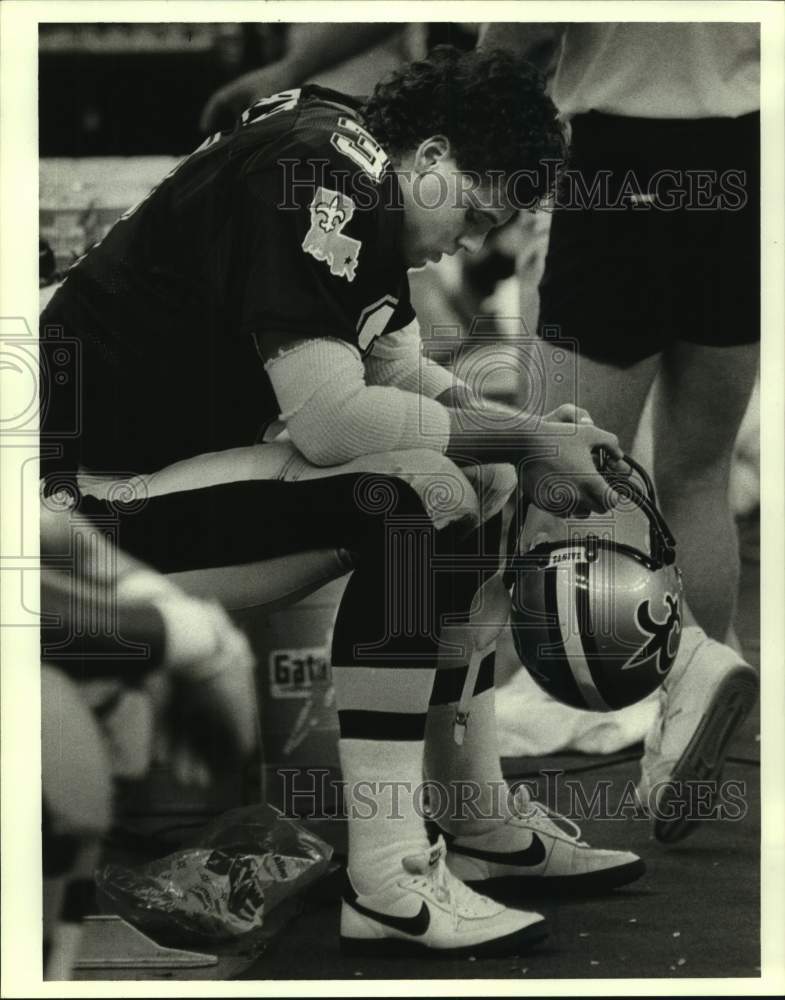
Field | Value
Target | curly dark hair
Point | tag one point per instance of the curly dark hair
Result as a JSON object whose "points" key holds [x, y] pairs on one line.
{"points": [[490, 104]]}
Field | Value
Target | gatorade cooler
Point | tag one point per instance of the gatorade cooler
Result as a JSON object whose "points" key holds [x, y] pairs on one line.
{"points": [[299, 720]]}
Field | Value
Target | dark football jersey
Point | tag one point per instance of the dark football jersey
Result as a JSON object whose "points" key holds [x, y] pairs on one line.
{"points": [[291, 223]]}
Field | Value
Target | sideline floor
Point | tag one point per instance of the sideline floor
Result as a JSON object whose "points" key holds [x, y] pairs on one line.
{"points": [[694, 913]]}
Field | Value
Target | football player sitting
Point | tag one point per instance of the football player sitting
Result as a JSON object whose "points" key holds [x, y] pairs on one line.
{"points": [[263, 283]]}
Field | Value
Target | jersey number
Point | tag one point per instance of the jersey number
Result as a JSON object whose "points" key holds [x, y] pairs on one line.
{"points": [[373, 319], [360, 146]]}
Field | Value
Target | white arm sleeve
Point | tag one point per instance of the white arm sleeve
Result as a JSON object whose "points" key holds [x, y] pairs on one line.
{"points": [[333, 416], [396, 359]]}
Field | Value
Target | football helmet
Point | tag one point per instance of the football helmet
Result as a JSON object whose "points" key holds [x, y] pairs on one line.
{"points": [[597, 622]]}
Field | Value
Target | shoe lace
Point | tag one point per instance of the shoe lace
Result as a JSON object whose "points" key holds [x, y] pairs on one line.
{"points": [[448, 890], [547, 819]]}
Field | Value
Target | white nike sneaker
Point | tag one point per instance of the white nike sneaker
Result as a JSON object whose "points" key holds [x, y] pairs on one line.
{"points": [[429, 911], [705, 698], [531, 852]]}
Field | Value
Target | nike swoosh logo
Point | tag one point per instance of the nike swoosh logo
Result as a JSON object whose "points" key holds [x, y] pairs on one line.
{"points": [[416, 925], [533, 855]]}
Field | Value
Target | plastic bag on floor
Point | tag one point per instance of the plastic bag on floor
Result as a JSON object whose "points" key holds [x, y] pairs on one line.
{"points": [[242, 866]]}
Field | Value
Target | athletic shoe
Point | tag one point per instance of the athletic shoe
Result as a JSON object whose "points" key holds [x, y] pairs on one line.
{"points": [[703, 701], [538, 851], [428, 911]]}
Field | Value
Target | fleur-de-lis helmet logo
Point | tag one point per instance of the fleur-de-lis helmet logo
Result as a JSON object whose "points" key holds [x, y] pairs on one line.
{"points": [[662, 643]]}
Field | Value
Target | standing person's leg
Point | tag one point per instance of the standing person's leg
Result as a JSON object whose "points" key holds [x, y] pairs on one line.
{"points": [[613, 394], [614, 397], [699, 403], [710, 689], [710, 363], [622, 285], [707, 378], [625, 284]]}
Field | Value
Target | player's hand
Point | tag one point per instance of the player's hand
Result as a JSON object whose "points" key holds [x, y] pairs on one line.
{"points": [[229, 102], [568, 413], [568, 482]]}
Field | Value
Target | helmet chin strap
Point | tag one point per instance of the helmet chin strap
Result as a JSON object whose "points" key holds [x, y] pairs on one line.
{"points": [[493, 602], [662, 544], [485, 626]]}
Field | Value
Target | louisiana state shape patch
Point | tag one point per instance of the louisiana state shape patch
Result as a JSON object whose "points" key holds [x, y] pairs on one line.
{"points": [[325, 239]]}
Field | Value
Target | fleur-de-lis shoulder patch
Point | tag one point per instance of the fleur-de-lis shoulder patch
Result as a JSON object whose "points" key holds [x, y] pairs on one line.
{"points": [[325, 240]]}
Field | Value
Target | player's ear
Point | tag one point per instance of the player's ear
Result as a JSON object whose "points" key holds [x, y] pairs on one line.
{"points": [[430, 152]]}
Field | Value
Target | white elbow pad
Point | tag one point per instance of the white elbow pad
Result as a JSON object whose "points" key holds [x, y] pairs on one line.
{"points": [[333, 416], [397, 359]]}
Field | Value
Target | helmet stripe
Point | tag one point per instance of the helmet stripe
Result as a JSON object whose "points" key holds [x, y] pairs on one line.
{"points": [[586, 622], [567, 609], [553, 655]]}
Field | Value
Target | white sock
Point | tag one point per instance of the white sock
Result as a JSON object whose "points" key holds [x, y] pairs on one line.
{"points": [[382, 715], [472, 772]]}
